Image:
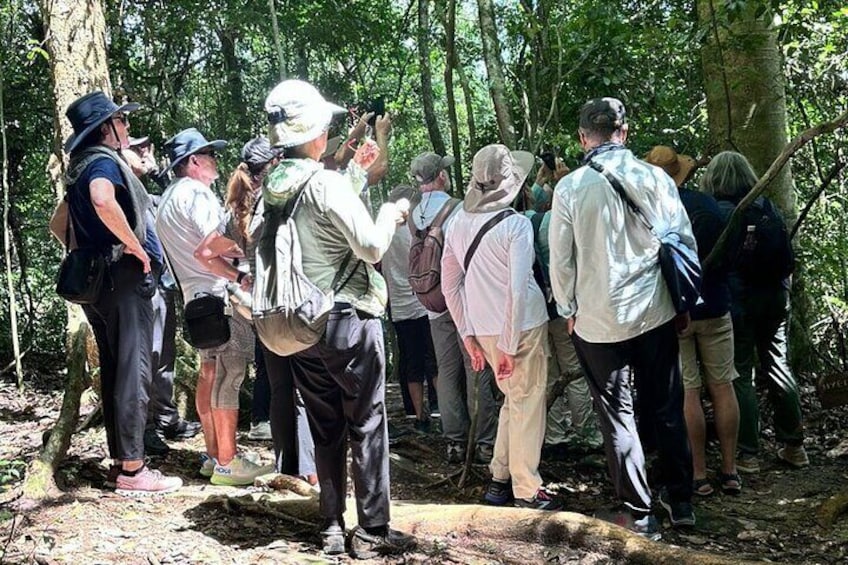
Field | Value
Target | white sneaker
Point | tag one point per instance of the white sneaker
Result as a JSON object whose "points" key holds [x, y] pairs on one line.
{"points": [[146, 482], [207, 466], [260, 431], [239, 472]]}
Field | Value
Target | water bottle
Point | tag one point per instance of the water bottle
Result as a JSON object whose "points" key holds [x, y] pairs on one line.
{"points": [[750, 239]]}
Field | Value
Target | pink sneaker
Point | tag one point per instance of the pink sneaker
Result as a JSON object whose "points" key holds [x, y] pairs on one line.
{"points": [[146, 482]]}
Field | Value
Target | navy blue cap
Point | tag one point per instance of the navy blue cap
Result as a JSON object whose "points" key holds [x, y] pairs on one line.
{"points": [[187, 143], [86, 113]]}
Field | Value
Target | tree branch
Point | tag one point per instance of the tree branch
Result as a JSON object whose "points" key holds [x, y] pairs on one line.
{"points": [[772, 172], [834, 172]]}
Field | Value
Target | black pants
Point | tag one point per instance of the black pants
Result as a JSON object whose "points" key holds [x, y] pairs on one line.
{"points": [[122, 321], [342, 381], [259, 408], [653, 360], [161, 411]]}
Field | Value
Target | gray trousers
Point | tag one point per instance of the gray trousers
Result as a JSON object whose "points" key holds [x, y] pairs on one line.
{"points": [[161, 410], [456, 381], [342, 382]]}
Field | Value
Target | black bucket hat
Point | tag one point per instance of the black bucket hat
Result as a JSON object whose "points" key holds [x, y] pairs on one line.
{"points": [[187, 143], [86, 113]]}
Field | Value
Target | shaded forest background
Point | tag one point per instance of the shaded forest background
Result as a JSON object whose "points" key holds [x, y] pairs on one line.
{"points": [[456, 75]]}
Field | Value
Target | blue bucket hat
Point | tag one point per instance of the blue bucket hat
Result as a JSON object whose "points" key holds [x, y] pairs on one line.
{"points": [[86, 113], [187, 143]]}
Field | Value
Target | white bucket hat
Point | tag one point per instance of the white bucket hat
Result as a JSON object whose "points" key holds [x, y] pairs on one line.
{"points": [[297, 113], [497, 176]]}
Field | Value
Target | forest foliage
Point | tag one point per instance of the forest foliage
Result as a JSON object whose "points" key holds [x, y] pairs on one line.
{"points": [[210, 65]]}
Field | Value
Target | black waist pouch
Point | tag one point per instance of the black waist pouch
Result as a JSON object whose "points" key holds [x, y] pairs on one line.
{"points": [[206, 322], [81, 277]]}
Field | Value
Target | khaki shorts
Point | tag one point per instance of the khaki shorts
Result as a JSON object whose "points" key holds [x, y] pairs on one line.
{"points": [[707, 345]]}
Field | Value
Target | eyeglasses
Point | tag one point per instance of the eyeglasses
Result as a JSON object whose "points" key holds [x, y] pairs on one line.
{"points": [[123, 118], [208, 154]]}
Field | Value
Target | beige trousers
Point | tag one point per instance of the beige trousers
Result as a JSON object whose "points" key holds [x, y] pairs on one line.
{"points": [[521, 425]]}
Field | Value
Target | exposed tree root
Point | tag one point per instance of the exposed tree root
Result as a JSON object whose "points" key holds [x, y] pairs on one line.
{"points": [[279, 481], [486, 524], [831, 509]]}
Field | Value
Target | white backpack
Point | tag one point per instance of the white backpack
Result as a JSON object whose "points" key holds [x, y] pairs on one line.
{"points": [[289, 312]]}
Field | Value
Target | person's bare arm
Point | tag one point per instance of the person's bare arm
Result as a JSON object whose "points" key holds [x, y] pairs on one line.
{"points": [[348, 147], [110, 213], [215, 251], [382, 131]]}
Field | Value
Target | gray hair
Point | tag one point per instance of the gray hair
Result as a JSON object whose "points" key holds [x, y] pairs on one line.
{"points": [[729, 175]]}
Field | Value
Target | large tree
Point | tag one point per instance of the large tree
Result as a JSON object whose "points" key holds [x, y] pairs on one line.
{"points": [[743, 79], [76, 44]]}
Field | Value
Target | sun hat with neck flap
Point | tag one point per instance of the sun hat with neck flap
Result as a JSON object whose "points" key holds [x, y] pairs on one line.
{"points": [[497, 176], [86, 113], [297, 113]]}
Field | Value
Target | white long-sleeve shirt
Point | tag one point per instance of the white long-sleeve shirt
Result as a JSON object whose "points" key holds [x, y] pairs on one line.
{"points": [[498, 295], [604, 262]]}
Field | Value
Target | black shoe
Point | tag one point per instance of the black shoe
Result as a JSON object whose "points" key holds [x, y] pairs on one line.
{"points": [[498, 493], [483, 454], [153, 444], [541, 501], [386, 542], [182, 430], [333, 538], [422, 426], [679, 513]]}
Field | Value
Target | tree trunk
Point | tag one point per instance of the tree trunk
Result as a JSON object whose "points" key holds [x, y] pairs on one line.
{"points": [[746, 99], [7, 239], [235, 85], [473, 145], [76, 43], [494, 68], [275, 27], [450, 64], [427, 98]]}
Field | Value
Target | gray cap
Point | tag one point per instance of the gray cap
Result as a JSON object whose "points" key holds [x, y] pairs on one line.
{"points": [[139, 141], [603, 115], [427, 166]]}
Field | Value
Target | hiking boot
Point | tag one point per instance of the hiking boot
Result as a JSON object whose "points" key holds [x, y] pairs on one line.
{"points": [[382, 541], [422, 426], [748, 463], [260, 431], [456, 453], [792, 455], [645, 526], [153, 444], [679, 513], [146, 482], [333, 538], [483, 454], [239, 472], [207, 466], [182, 430], [498, 493], [540, 501]]}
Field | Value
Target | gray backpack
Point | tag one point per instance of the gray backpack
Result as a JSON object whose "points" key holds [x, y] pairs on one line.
{"points": [[289, 312]]}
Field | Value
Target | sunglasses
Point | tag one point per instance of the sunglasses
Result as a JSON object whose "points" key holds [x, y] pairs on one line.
{"points": [[123, 118], [211, 154]]}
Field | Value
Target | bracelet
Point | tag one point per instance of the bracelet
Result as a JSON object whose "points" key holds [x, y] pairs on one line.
{"points": [[240, 277]]}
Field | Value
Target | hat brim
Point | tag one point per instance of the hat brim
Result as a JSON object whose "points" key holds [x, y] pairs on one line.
{"points": [[74, 141], [476, 201], [137, 141], [686, 164], [217, 145]]}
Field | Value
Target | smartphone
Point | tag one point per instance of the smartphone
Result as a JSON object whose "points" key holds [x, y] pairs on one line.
{"points": [[378, 106], [549, 159]]}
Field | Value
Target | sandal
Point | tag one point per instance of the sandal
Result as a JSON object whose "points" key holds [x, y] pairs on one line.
{"points": [[731, 483], [702, 487]]}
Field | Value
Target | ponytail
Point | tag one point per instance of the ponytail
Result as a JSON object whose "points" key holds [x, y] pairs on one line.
{"points": [[241, 197]]}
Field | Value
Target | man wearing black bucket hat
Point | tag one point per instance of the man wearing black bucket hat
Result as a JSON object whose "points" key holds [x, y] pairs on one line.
{"points": [[190, 219], [107, 206]]}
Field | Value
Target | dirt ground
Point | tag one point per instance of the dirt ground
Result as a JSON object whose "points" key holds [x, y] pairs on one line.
{"points": [[775, 518]]}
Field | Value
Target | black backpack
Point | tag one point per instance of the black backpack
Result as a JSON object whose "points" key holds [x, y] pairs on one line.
{"points": [[764, 253]]}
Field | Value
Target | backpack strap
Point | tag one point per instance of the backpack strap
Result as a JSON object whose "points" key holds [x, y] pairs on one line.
{"points": [[441, 217], [493, 221], [619, 189]]}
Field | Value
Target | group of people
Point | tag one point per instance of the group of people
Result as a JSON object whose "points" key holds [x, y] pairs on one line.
{"points": [[519, 321]]}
